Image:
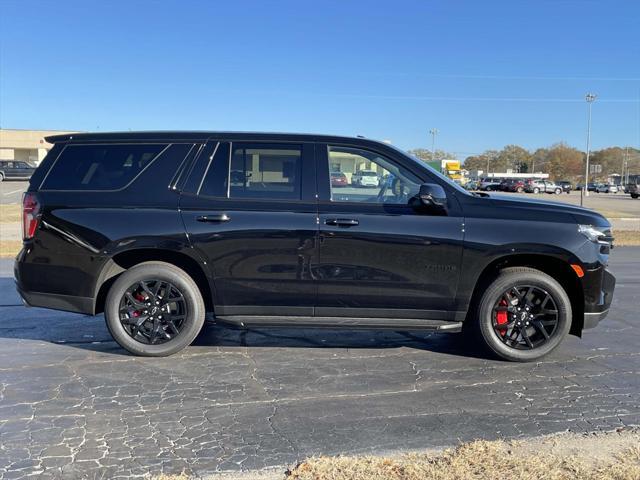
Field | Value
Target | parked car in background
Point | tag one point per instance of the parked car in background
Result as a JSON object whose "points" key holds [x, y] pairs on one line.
{"points": [[15, 170], [606, 188], [339, 179], [287, 249], [591, 187], [364, 178], [633, 189], [512, 185], [490, 184], [566, 185], [543, 186]]}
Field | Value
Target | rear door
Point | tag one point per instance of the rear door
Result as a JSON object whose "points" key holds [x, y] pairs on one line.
{"points": [[250, 210]]}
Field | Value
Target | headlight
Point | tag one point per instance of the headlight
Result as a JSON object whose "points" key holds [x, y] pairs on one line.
{"points": [[596, 234]]}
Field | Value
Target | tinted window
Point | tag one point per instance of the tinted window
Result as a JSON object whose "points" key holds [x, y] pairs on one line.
{"points": [[386, 182], [265, 172], [100, 167], [217, 171]]}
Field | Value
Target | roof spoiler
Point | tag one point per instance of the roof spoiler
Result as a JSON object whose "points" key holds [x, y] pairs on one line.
{"points": [[59, 138]]}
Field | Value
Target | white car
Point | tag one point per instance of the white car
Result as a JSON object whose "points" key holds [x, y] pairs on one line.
{"points": [[606, 188], [364, 178]]}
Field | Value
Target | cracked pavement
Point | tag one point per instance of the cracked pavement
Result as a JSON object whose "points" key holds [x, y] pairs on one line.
{"points": [[75, 405]]}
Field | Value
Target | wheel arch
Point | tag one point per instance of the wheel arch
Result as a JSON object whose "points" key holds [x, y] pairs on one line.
{"points": [[555, 267], [122, 261]]}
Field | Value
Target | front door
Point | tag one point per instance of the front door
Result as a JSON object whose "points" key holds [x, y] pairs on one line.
{"points": [[380, 256], [250, 210]]}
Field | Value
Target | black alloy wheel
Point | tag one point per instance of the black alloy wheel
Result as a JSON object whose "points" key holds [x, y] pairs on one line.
{"points": [[525, 317], [522, 315], [153, 311]]}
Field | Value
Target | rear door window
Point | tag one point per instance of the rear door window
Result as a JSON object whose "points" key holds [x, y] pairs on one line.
{"points": [[265, 172], [100, 167], [254, 171]]}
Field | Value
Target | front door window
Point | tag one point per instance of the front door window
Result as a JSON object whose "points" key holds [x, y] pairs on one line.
{"points": [[370, 178]]}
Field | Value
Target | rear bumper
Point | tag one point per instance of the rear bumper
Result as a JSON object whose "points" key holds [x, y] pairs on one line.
{"points": [[67, 285], [67, 303], [599, 285]]}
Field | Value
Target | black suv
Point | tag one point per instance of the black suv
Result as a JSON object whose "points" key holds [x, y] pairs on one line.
{"points": [[156, 229], [15, 170]]}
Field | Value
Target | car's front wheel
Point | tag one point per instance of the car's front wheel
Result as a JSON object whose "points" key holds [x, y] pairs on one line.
{"points": [[523, 314], [536, 190], [154, 309]]}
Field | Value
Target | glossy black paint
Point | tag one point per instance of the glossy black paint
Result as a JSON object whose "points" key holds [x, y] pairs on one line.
{"points": [[302, 258]]}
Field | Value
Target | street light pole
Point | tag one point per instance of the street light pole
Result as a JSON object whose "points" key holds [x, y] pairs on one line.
{"points": [[433, 132], [590, 98]]}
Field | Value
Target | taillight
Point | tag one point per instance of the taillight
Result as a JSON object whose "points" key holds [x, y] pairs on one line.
{"points": [[30, 215]]}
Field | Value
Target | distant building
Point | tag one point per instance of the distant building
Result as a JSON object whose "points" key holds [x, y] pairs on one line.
{"points": [[25, 145]]}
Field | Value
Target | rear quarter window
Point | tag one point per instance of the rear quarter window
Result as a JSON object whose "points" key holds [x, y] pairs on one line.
{"points": [[100, 167]]}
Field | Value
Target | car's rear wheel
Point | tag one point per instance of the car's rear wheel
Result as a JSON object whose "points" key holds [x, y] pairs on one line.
{"points": [[536, 190], [523, 314], [1, 177], [154, 309], [558, 191], [520, 189]]}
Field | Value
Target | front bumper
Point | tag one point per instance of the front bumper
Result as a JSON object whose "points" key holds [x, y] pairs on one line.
{"points": [[598, 287]]}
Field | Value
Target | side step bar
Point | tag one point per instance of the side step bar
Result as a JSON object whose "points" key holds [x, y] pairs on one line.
{"points": [[340, 322]]}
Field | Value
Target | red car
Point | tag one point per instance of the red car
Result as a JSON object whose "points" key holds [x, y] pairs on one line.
{"points": [[512, 185], [338, 179]]}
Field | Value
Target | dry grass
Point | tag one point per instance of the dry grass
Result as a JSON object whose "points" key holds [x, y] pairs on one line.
{"points": [[9, 248], [479, 460], [10, 213], [626, 238]]}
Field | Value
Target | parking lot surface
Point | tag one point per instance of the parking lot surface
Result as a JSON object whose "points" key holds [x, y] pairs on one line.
{"points": [[73, 404], [11, 191]]}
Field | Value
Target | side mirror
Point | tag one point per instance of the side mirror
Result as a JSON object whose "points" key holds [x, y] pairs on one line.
{"points": [[432, 195]]}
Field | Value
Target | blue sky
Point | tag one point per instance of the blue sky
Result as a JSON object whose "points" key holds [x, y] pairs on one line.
{"points": [[485, 73]]}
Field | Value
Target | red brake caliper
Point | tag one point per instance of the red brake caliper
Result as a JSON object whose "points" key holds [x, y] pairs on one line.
{"points": [[140, 298], [501, 317]]}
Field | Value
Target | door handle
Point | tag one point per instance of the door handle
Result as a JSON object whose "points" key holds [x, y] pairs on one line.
{"points": [[342, 222], [219, 217]]}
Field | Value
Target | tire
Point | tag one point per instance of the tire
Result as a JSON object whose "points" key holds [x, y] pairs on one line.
{"points": [[536, 190], [1, 177], [192, 309], [634, 195], [520, 190], [526, 277], [558, 191]]}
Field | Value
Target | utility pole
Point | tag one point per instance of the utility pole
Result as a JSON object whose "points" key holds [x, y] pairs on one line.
{"points": [[590, 98], [625, 159], [433, 132]]}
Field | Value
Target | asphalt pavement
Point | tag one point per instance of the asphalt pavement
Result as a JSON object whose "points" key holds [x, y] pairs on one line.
{"points": [[73, 404], [11, 191]]}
